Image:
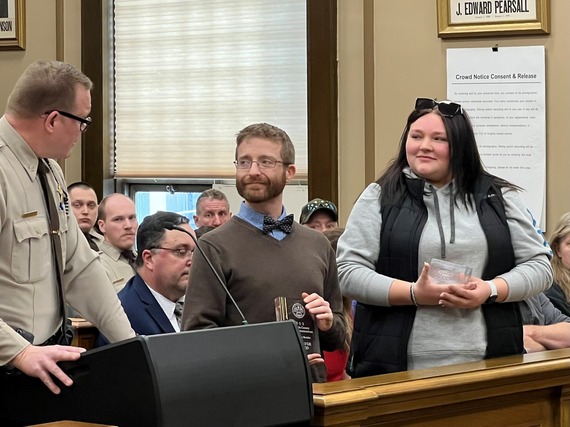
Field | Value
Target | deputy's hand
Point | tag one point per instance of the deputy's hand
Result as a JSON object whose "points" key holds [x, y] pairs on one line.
{"points": [[40, 362], [320, 309]]}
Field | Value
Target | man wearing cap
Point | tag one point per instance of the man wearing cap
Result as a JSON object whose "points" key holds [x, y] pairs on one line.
{"points": [[319, 215]]}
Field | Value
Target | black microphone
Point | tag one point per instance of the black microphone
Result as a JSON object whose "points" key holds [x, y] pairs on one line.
{"points": [[220, 281]]}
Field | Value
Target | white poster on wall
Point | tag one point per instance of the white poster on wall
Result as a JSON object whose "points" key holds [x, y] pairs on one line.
{"points": [[503, 92]]}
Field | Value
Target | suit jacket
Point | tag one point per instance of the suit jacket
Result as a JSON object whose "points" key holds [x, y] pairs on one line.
{"points": [[146, 315]]}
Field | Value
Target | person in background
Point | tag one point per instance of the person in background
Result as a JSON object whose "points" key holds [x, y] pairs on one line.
{"points": [[153, 298], [212, 209], [336, 360], [436, 201], [559, 292], [545, 327], [203, 230], [118, 224], [84, 205], [262, 254], [46, 113], [319, 215]]}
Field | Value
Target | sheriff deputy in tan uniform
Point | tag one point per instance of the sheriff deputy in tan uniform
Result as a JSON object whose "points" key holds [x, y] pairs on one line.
{"points": [[118, 224], [45, 115]]}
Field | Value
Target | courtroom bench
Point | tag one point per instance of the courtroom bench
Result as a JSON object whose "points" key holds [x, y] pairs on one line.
{"points": [[523, 390]]}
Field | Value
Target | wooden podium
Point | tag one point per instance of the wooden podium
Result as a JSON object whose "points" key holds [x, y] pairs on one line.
{"points": [[524, 391]]}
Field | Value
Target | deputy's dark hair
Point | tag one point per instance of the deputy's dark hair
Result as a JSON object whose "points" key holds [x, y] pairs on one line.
{"points": [[151, 231]]}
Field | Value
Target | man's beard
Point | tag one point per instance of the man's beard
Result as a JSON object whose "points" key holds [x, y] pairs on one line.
{"points": [[269, 189]]}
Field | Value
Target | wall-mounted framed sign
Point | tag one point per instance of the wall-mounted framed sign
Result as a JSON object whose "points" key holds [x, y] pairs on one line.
{"points": [[463, 18], [12, 25]]}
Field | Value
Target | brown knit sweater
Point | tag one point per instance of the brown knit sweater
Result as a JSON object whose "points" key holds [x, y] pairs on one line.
{"points": [[257, 268]]}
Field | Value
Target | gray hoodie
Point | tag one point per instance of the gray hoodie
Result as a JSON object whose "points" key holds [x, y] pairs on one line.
{"points": [[442, 336]]}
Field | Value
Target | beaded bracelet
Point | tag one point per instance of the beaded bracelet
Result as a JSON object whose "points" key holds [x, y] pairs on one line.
{"points": [[412, 294]]}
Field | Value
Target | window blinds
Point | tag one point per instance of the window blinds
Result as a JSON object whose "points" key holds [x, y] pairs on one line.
{"points": [[189, 74]]}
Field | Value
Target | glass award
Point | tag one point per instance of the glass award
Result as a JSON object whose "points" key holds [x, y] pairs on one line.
{"points": [[294, 309], [448, 273]]}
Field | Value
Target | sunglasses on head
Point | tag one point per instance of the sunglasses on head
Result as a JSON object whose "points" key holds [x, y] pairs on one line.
{"points": [[446, 108]]}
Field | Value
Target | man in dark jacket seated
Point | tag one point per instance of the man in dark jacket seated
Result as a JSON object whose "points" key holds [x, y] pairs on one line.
{"points": [[152, 299]]}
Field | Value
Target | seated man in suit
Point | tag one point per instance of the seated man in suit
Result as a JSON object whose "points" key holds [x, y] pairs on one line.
{"points": [[152, 297]]}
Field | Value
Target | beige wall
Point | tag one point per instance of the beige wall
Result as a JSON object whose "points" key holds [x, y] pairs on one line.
{"points": [[410, 61], [53, 31], [389, 54]]}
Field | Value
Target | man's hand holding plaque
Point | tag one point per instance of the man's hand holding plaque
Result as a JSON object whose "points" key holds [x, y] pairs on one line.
{"points": [[296, 309]]}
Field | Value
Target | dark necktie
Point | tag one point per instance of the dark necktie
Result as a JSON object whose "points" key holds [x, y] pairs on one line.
{"points": [[131, 258], [55, 238], [178, 308], [285, 225], [91, 241]]}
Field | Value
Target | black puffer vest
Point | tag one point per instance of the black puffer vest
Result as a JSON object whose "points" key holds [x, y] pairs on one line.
{"points": [[381, 334]]}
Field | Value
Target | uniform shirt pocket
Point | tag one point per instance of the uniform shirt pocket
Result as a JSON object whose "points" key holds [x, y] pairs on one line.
{"points": [[31, 250]]}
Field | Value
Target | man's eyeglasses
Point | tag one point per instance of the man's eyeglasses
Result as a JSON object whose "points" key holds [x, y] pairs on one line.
{"points": [[85, 122], [446, 108], [178, 252], [267, 163]]}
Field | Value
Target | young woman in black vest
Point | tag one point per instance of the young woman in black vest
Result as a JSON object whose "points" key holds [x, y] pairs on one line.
{"points": [[436, 201]]}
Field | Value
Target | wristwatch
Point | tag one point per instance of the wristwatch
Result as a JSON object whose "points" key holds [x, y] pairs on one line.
{"points": [[494, 294]]}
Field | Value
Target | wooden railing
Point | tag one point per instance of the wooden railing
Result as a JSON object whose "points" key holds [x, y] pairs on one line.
{"points": [[529, 390], [84, 333]]}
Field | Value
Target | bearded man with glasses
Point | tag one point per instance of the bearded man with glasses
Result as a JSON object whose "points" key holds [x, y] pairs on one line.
{"points": [[262, 254]]}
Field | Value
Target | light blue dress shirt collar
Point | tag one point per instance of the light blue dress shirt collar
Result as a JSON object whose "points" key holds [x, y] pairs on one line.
{"points": [[256, 219]]}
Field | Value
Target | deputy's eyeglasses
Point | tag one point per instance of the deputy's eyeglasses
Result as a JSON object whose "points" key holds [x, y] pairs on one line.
{"points": [[84, 122], [446, 108], [178, 252], [267, 163]]}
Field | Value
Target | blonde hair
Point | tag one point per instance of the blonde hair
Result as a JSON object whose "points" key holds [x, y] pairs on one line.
{"points": [[561, 273], [46, 86]]}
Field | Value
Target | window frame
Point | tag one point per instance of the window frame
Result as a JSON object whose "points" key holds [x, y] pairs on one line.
{"points": [[322, 103]]}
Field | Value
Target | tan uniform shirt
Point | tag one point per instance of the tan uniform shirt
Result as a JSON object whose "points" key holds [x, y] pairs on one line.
{"points": [[28, 285], [116, 265]]}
